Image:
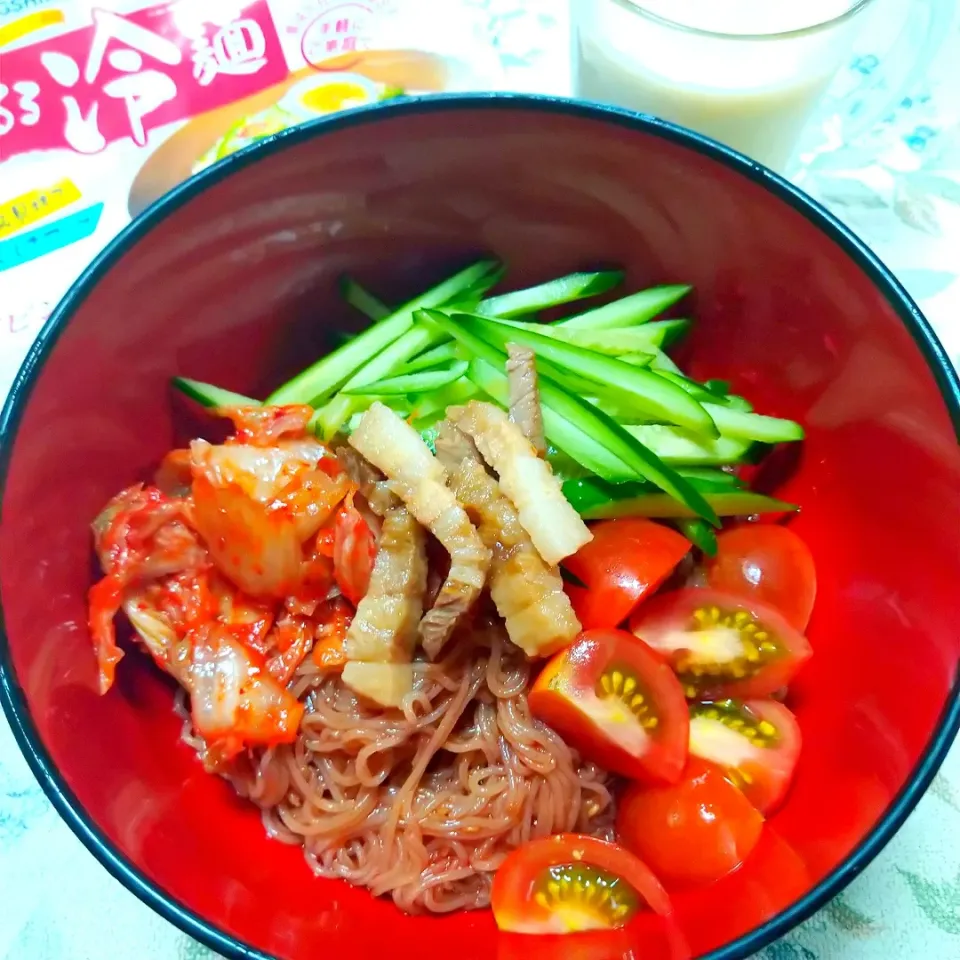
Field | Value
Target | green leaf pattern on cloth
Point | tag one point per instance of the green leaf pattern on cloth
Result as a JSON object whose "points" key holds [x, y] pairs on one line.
{"points": [[942, 790], [939, 900], [848, 918], [787, 950], [189, 949]]}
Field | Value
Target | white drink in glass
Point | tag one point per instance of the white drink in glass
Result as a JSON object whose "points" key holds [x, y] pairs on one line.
{"points": [[746, 72]]}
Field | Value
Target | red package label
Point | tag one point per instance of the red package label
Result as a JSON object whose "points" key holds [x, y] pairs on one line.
{"points": [[127, 74]]}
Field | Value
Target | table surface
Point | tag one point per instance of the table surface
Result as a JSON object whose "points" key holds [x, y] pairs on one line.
{"points": [[898, 186]]}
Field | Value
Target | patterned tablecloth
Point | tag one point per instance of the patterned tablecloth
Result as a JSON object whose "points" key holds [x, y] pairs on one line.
{"points": [[898, 185]]}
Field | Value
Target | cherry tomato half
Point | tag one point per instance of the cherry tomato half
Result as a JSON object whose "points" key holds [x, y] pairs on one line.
{"points": [[768, 563], [568, 883], [693, 832], [722, 646], [609, 696], [757, 742], [625, 561]]}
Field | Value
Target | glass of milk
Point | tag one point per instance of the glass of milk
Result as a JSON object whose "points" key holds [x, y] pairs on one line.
{"points": [[748, 73]]}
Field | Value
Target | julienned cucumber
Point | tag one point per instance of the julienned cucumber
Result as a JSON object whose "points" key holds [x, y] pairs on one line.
{"points": [[743, 425], [553, 293], [710, 478], [590, 455], [637, 359], [661, 361], [433, 357], [614, 343], [587, 491], [674, 445], [649, 392], [319, 380], [700, 392], [628, 311], [589, 435], [595, 500], [207, 395], [369, 305], [690, 387], [699, 533], [330, 417], [435, 403], [740, 503], [421, 382]]}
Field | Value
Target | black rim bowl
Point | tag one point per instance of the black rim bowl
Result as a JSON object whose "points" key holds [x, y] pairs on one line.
{"points": [[12, 697]]}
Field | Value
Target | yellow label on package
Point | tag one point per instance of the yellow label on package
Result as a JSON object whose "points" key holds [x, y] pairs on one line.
{"points": [[31, 23], [30, 207]]}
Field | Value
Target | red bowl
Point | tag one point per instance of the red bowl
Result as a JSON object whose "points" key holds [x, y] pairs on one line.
{"points": [[231, 278]]}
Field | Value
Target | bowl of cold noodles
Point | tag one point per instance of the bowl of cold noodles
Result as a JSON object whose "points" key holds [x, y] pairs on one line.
{"points": [[486, 524]]}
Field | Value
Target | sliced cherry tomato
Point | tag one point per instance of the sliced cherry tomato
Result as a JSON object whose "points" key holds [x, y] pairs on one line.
{"points": [[568, 883], [757, 742], [772, 878], [625, 561], [695, 831], [354, 550], [609, 696], [768, 563], [722, 646]]}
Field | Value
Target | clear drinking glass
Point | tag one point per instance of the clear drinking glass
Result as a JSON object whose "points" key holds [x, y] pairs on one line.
{"points": [[748, 73]]}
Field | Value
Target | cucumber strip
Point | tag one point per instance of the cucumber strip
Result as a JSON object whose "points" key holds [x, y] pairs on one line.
{"points": [[660, 333], [486, 370], [329, 418], [741, 425], [701, 394], [700, 534], [480, 287], [410, 383], [720, 388], [612, 342], [690, 387], [638, 359], [595, 500], [629, 311], [593, 427], [588, 492], [568, 379], [353, 422], [207, 395], [434, 405], [662, 361], [320, 379], [569, 439], [574, 286], [431, 358], [711, 391], [676, 446], [707, 478], [369, 305], [647, 391], [736, 503], [564, 467]]}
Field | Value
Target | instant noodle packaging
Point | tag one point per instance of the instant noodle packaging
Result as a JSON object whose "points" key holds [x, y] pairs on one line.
{"points": [[106, 106]]}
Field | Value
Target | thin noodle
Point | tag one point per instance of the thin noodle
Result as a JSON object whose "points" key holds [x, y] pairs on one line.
{"points": [[422, 803]]}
